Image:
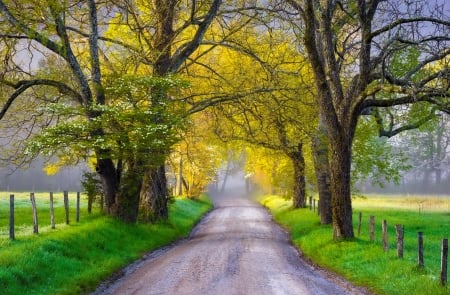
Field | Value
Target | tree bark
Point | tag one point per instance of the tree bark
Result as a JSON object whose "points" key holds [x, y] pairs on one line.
{"points": [[341, 202], [298, 161], [107, 172], [322, 169], [129, 194], [154, 195]]}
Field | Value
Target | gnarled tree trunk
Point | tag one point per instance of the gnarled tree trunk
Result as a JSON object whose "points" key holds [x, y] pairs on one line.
{"points": [[341, 202], [129, 194], [107, 172], [154, 195]]}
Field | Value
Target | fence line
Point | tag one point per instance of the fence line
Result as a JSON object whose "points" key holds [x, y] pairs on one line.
{"points": [[400, 244], [400, 238], [34, 208]]}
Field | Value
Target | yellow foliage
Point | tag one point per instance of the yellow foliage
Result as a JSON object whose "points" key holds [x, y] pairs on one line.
{"points": [[51, 168]]}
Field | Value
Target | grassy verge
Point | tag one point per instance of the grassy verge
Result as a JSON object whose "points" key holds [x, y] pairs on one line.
{"points": [[364, 262], [74, 259]]}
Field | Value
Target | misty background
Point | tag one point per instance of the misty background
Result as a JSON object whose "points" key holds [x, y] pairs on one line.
{"points": [[34, 178]]}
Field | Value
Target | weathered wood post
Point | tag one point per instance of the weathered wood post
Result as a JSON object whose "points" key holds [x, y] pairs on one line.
{"points": [[78, 207], [385, 236], [359, 223], [35, 216], [420, 248], [372, 227], [444, 261], [399, 231], [52, 212], [11, 217], [66, 205]]}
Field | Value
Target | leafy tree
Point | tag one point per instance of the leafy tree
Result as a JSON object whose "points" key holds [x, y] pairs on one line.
{"points": [[195, 160], [47, 28], [116, 119], [350, 45], [263, 117]]}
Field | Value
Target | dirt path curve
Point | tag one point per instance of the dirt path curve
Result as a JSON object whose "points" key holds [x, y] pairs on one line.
{"points": [[236, 249]]}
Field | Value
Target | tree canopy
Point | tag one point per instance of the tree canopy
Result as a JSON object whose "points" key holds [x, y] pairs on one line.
{"points": [[141, 86]]}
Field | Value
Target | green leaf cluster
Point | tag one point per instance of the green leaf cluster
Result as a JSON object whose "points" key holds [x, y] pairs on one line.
{"points": [[375, 158], [138, 121]]}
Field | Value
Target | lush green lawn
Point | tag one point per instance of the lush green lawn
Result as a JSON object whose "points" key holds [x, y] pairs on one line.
{"points": [[364, 262], [74, 259]]}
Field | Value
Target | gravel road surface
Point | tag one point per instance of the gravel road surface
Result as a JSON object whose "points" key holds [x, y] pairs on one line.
{"points": [[236, 249]]}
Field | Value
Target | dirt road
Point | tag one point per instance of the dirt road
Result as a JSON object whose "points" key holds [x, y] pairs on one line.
{"points": [[236, 249]]}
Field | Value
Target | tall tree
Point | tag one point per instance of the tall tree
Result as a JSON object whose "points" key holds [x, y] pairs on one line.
{"points": [[350, 45], [169, 22], [47, 28], [119, 119]]}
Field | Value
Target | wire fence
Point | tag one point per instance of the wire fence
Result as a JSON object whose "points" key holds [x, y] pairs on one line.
{"points": [[39, 207], [423, 206]]}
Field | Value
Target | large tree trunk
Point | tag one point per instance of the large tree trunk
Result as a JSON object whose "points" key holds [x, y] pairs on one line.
{"points": [[298, 161], [154, 195], [341, 202], [322, 169], [107, 172], [129, 194]]}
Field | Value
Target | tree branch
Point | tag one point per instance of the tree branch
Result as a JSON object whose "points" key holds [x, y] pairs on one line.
{"points": [[180, 57], [219, 99], [392, 132], [21, 86], [402, 21], [30, 33]]}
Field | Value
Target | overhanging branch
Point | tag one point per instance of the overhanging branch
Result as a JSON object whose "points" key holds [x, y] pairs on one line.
{"points": [[21, 86]]}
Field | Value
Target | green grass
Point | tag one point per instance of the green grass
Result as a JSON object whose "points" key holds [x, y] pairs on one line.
{"points": [[23, 212], [74, 259], [364, 262]]}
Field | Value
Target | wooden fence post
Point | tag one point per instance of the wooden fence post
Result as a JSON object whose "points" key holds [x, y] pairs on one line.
{"points": [[399, 231], [11, 217], [420, 248], [35, 216], [66, 205], [372, 228], [359, 223], [52, 212], [385, 236], [444, 259], [78, 207]]}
